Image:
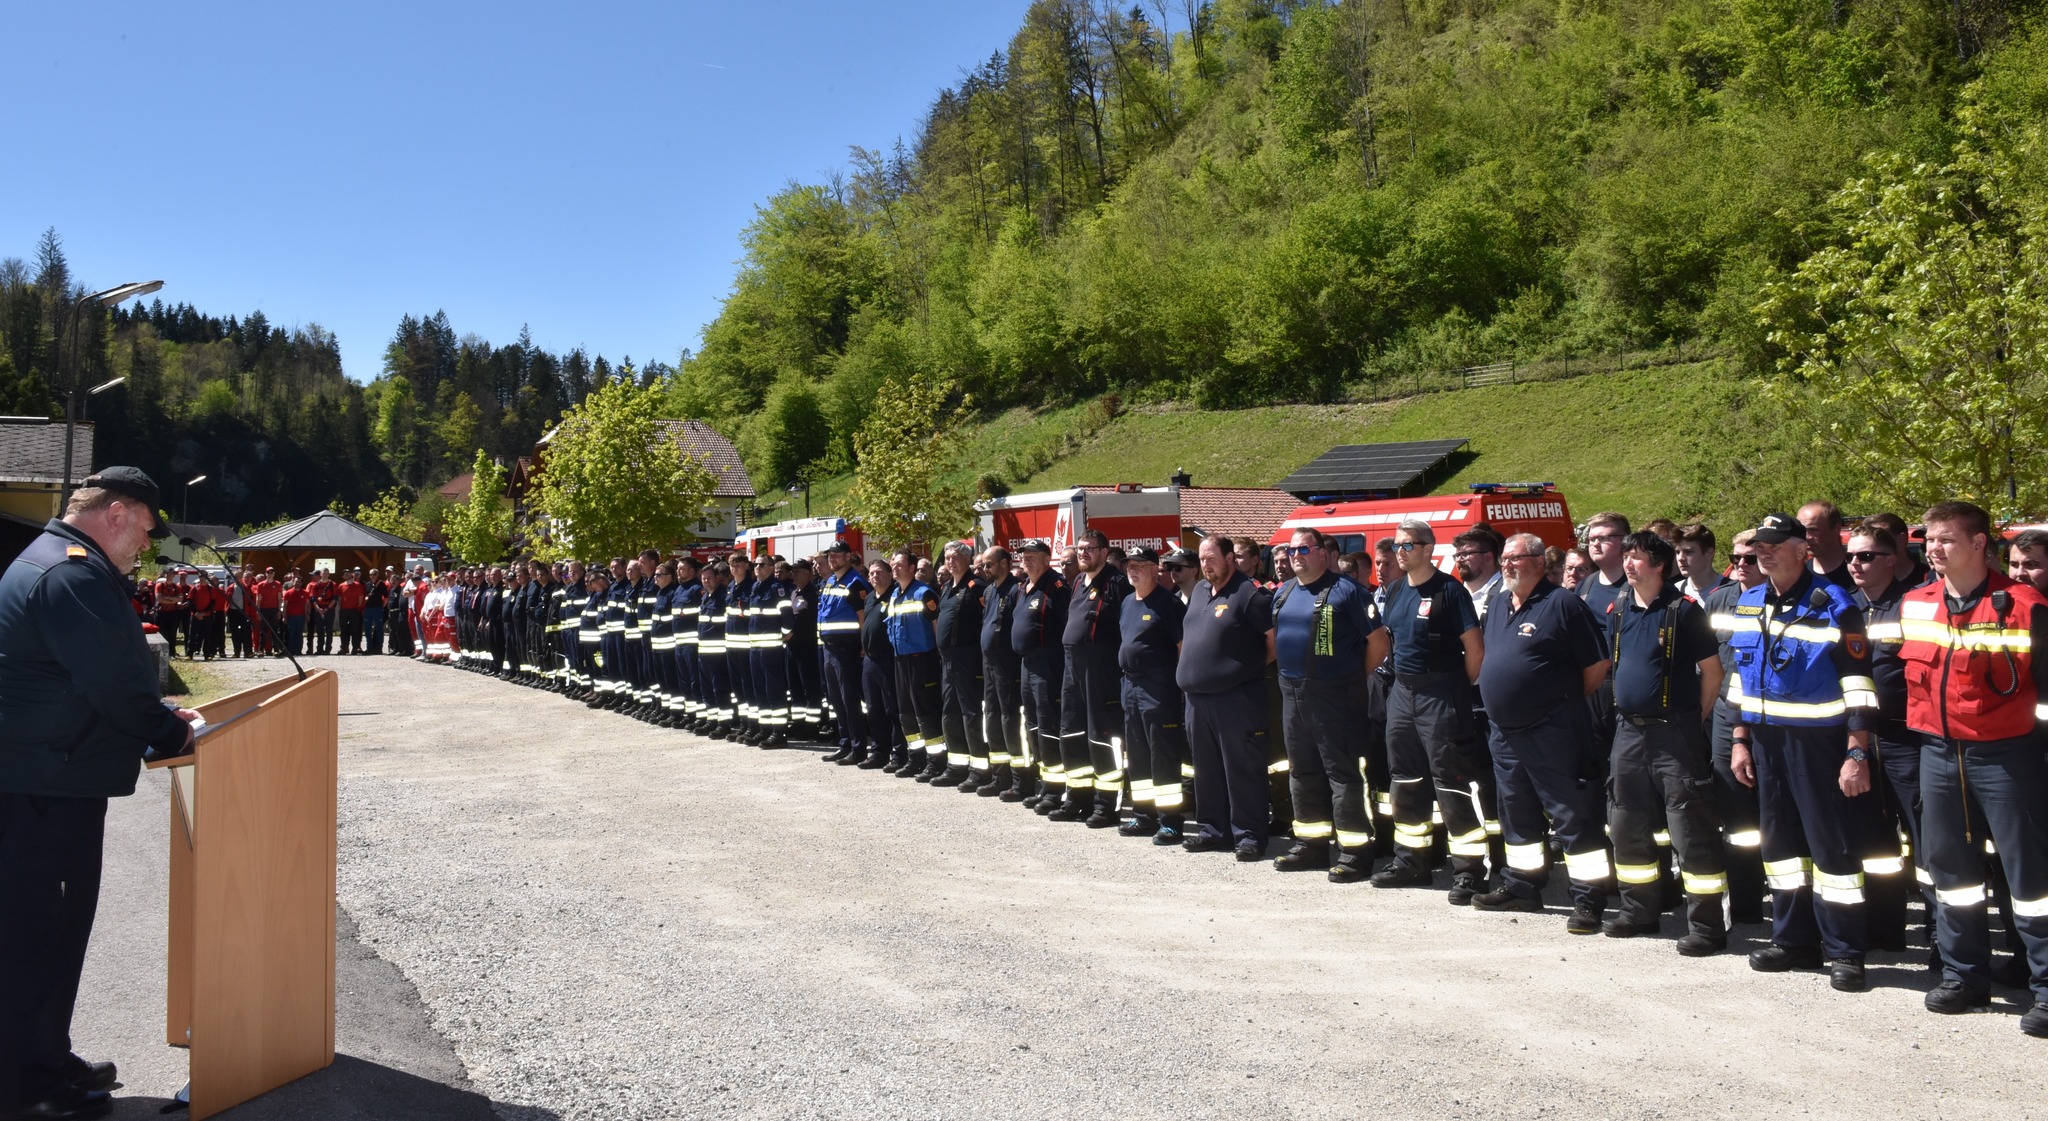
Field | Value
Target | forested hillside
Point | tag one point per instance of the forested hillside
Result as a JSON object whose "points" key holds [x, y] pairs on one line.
{"points": [[1250, 201]]}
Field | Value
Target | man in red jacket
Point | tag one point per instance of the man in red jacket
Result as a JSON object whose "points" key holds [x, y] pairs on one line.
{"points": [[352, 595]]}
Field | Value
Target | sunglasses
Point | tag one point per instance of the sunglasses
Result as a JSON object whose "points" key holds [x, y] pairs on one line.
{"points": [[1741, 559], [1296, 550], [1404, 546], [1865, 558]]}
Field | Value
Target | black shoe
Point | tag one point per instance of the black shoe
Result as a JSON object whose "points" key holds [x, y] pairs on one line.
{"points": [[1167, 835], [1014, 794], [66, 1103], [1195, 842], [1140, 825], [1304, 856], [997, 785], [776, 740], [1103, 818], [2035, 1022], [1583, 920], [896, 763], [973, 782], [1249, 850], [1464, 888], [1068, 811], [1952, 998], [934, 768], [1501, 899], [838, 756], [1400, 873], [876, 761], [1621, 926], [1696, 945], [1350, 871], [951, 776], [913, 766], [1781, 959], [1846, 976], [82, 1075]]}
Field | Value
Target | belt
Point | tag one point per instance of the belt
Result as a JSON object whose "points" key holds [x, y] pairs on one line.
{"points": [[1645, 721], [1415, 679]]}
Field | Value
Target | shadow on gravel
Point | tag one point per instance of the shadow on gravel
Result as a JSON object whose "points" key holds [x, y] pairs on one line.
{"points": [[352, 1089]]}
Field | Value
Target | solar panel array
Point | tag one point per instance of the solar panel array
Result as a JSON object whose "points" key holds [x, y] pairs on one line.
{"points": [[1364, 470]]}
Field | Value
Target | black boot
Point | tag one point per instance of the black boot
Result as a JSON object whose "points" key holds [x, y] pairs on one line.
{"points": [[995, 784]]}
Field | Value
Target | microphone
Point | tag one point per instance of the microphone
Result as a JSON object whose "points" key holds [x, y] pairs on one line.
{"points": [[268, 627]]}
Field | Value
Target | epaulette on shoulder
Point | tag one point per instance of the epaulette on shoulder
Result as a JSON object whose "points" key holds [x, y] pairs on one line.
{"points": [[76, 552]]}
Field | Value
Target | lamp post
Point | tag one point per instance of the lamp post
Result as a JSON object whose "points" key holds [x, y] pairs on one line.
{"points": [[189, 484], [805, 486], [105, 299]]}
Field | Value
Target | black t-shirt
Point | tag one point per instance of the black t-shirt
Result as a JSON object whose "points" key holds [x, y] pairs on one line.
{"points": [[1095, 612], [1600, 595], [1657, 668], [1410, 617], [995, 618], [1151, 633], [1038, 614], [959, 621], [1881, 626], [1536, 656], [1223, 636], [1838, 576], [1295, 623], [874, 633]]}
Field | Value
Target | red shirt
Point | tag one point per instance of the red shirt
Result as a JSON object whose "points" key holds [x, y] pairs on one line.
{"points": [[351, 596], [323, 595], [268, 593], [294, 601], [170, 595], [204, 601]]}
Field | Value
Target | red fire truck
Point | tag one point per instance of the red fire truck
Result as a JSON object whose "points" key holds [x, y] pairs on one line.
{"points": [[1510, 508], [804, 537], [1131, 514]]}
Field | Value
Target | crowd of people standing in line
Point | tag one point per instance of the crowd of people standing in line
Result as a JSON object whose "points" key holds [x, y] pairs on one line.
{"points": [[260, 615]]}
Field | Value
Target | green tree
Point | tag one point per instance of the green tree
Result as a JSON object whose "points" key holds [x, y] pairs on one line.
{"points": [[613, 481], [478, 529], [787, 435], [904, 450], [394, 512]]}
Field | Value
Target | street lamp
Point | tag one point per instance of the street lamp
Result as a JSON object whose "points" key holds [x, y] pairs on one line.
{"points": [[107, 298], [189, 484], [805, 486]]}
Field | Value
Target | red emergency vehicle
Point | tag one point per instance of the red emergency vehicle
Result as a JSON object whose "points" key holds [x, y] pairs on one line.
{"points": [[803, 537], [1510, 508], [1131, 514]]}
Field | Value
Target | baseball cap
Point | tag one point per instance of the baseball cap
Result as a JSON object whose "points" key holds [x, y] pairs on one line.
{"points": [[1776, 529], [839, 547], [1142, 555], [131, 482], [1179, 558], [1035, 546]]}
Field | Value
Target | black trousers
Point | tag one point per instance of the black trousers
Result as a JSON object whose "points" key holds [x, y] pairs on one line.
{"points": [[739, 669], [171, 624], [960, 688], [1091, 717], [806, 691], [1742, 830], [1548, 776], [1664, 773], [1974, 791], [843, 691], [878, 696], [1002, 708], [1227, 735], [1431, 740], [770, 672], [1813, 839], [1887, 882], [714, 687], [1039, 688], [917, 702], [351, 630], [50, 851], [1156, 744], [319, 632], [1324, 721]]}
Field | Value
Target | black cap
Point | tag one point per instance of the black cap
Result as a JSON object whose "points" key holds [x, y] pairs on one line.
{"points": [[1035, 546], [839, 547], [1776, 529], [131, 482], [1179, 558], [1142, 555]]}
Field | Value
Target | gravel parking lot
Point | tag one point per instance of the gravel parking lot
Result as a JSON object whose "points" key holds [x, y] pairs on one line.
{"points": [[575, 915]]}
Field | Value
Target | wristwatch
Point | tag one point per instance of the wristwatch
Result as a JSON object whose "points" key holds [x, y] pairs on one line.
{"points": [[1858, 755]]}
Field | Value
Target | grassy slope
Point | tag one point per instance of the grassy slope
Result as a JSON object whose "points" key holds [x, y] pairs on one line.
{"points": [[1609, 441]]}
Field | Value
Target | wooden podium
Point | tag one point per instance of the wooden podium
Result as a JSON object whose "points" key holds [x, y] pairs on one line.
{"points": [[251, 985]]}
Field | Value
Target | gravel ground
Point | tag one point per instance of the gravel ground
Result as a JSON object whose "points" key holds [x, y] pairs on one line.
{"points": [[608, 920]]}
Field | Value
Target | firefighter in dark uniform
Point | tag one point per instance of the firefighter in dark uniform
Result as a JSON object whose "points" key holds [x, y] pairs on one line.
{"points": [[565, 623], [661, 646], [1038, 618], [1001, 706], [1741, 829], [591, 636], [842, 604], [714, 686], [640, 636], [1977, 690], [800, 651], [767, 615], [1327, 640], [79, 711], [1667, 674], [544, 632], [619, 637], [1226, 644], [913, 605], [1882, 581], [1091, 705], [1430, 737], [1155, 710], [957, 630], [739, 649], [688, 604], [1807, 704], [887, 750]]}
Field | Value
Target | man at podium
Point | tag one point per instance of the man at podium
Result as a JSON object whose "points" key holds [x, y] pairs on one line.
{"points": [[79, 708]]}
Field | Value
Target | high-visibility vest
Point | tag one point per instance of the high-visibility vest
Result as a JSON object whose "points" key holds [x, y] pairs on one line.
{"points": [[1971, 676], [1786, 672]]}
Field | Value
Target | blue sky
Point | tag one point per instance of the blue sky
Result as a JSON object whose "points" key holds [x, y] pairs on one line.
{"points": [[582, 168]]}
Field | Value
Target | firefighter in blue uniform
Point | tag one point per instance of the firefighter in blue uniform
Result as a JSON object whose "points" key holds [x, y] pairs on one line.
{"points": [[1155, 711], [1091, 704], [842, 602], [767, 626], [590, 636], [913, 607], [618, 611], [957, 630], [79, 710], [1806, 705], [640, 634], [661, 646], [886, 749], [714, 685], [739, 648], [687, 602]]}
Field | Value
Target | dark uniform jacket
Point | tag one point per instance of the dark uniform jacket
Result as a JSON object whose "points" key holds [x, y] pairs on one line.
{"points": [[78, 694]]}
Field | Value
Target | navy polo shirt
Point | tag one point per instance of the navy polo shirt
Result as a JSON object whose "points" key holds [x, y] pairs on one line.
{"points": [[1537, 655], [1407, 618], [1294, 629], [1094, 611], [1223, 637], [1152, 632], [1600, 595], [1649, 650]]}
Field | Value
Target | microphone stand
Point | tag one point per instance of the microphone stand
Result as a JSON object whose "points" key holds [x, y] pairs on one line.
{"points": [[248, 598]]}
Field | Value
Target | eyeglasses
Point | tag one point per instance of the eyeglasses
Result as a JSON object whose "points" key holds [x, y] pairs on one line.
{"points": [[1599, 537], [1296, 550], [1404, 546], [1741, 559], [1506, 557], [1866, 558], [1470, 553]]}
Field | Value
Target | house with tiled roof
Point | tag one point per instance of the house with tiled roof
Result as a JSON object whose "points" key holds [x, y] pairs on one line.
{"points": [[32, 476], [1251, 512]]}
